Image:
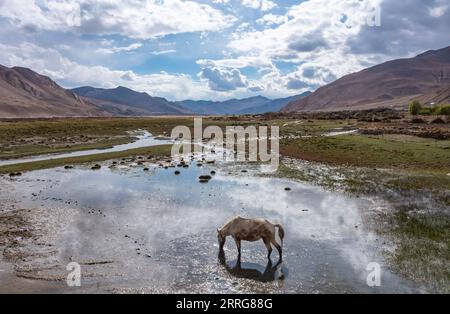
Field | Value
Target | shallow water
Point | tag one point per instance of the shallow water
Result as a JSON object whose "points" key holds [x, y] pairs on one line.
{"points": [[156, 232], [143, 139]]}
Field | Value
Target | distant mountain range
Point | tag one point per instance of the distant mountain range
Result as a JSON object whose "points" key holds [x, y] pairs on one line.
{"points": [[392, 84], [124, 101], [252, 105], [27, 94]]}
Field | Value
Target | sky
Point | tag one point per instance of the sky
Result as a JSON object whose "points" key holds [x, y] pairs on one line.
{"points": [[216, 49]]}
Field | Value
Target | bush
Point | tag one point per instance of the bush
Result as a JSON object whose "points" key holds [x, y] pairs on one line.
{"points": [[415, 107], [441, 110]]}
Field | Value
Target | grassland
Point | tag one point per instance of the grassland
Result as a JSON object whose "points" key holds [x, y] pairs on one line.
{"points": [[410, 172], [400, 151], [27, 138], [24, 138]]}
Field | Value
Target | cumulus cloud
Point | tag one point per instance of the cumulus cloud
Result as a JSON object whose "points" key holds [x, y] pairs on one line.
{"points": [[263, 5], [223, 79], [135, 19], [272, 19]]}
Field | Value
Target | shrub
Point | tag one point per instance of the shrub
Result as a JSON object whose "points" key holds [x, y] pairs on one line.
{"points": [[441, 110], [415, 107]]}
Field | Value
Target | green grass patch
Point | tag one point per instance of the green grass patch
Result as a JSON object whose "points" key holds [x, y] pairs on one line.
{"points": [[372, 151], [422, 248]]}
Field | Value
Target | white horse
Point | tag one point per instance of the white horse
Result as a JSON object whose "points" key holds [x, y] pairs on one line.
{"points": [[251, 230]]}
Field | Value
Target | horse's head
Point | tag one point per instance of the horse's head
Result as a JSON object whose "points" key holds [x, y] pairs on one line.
{"points": [[221, 239]]}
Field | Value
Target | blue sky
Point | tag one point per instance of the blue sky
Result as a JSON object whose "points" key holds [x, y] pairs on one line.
{"points": [[216, 49]]}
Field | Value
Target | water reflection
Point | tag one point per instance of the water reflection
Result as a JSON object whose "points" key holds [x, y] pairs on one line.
{"points": [[160, 229], [253, 271]]}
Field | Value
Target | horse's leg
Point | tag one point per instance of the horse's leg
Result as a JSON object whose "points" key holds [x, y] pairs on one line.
{"points": [[238, 245], [278, 247], [268, 246]]}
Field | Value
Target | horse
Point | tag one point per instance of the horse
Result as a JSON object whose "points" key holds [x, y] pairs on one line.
{"points": [[251, 230]]}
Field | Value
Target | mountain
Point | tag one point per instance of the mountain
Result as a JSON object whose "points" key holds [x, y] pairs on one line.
{"points": [[252, 105], [27, 94], [125, 101], [390, 84], [273, 105]]}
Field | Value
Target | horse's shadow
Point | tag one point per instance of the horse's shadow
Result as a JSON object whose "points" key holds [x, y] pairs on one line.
{"points": [[253, 271]]}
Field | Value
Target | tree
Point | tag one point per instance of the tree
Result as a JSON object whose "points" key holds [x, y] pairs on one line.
{"points": [[414, 107]]}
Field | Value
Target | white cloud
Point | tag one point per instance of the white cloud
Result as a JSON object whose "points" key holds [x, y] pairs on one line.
{"points": [[439, 10], [272, 19], [311, 35], [128, 48], [263, 5], [223, 80], [163, 52], [135, 19]]}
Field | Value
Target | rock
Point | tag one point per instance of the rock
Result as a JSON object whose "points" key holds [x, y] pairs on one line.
{"points": [[96, 167], [438, 120], [210, 162]]}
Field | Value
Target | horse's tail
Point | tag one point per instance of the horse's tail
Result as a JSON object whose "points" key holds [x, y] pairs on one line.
{"points": [[280, 232]]}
